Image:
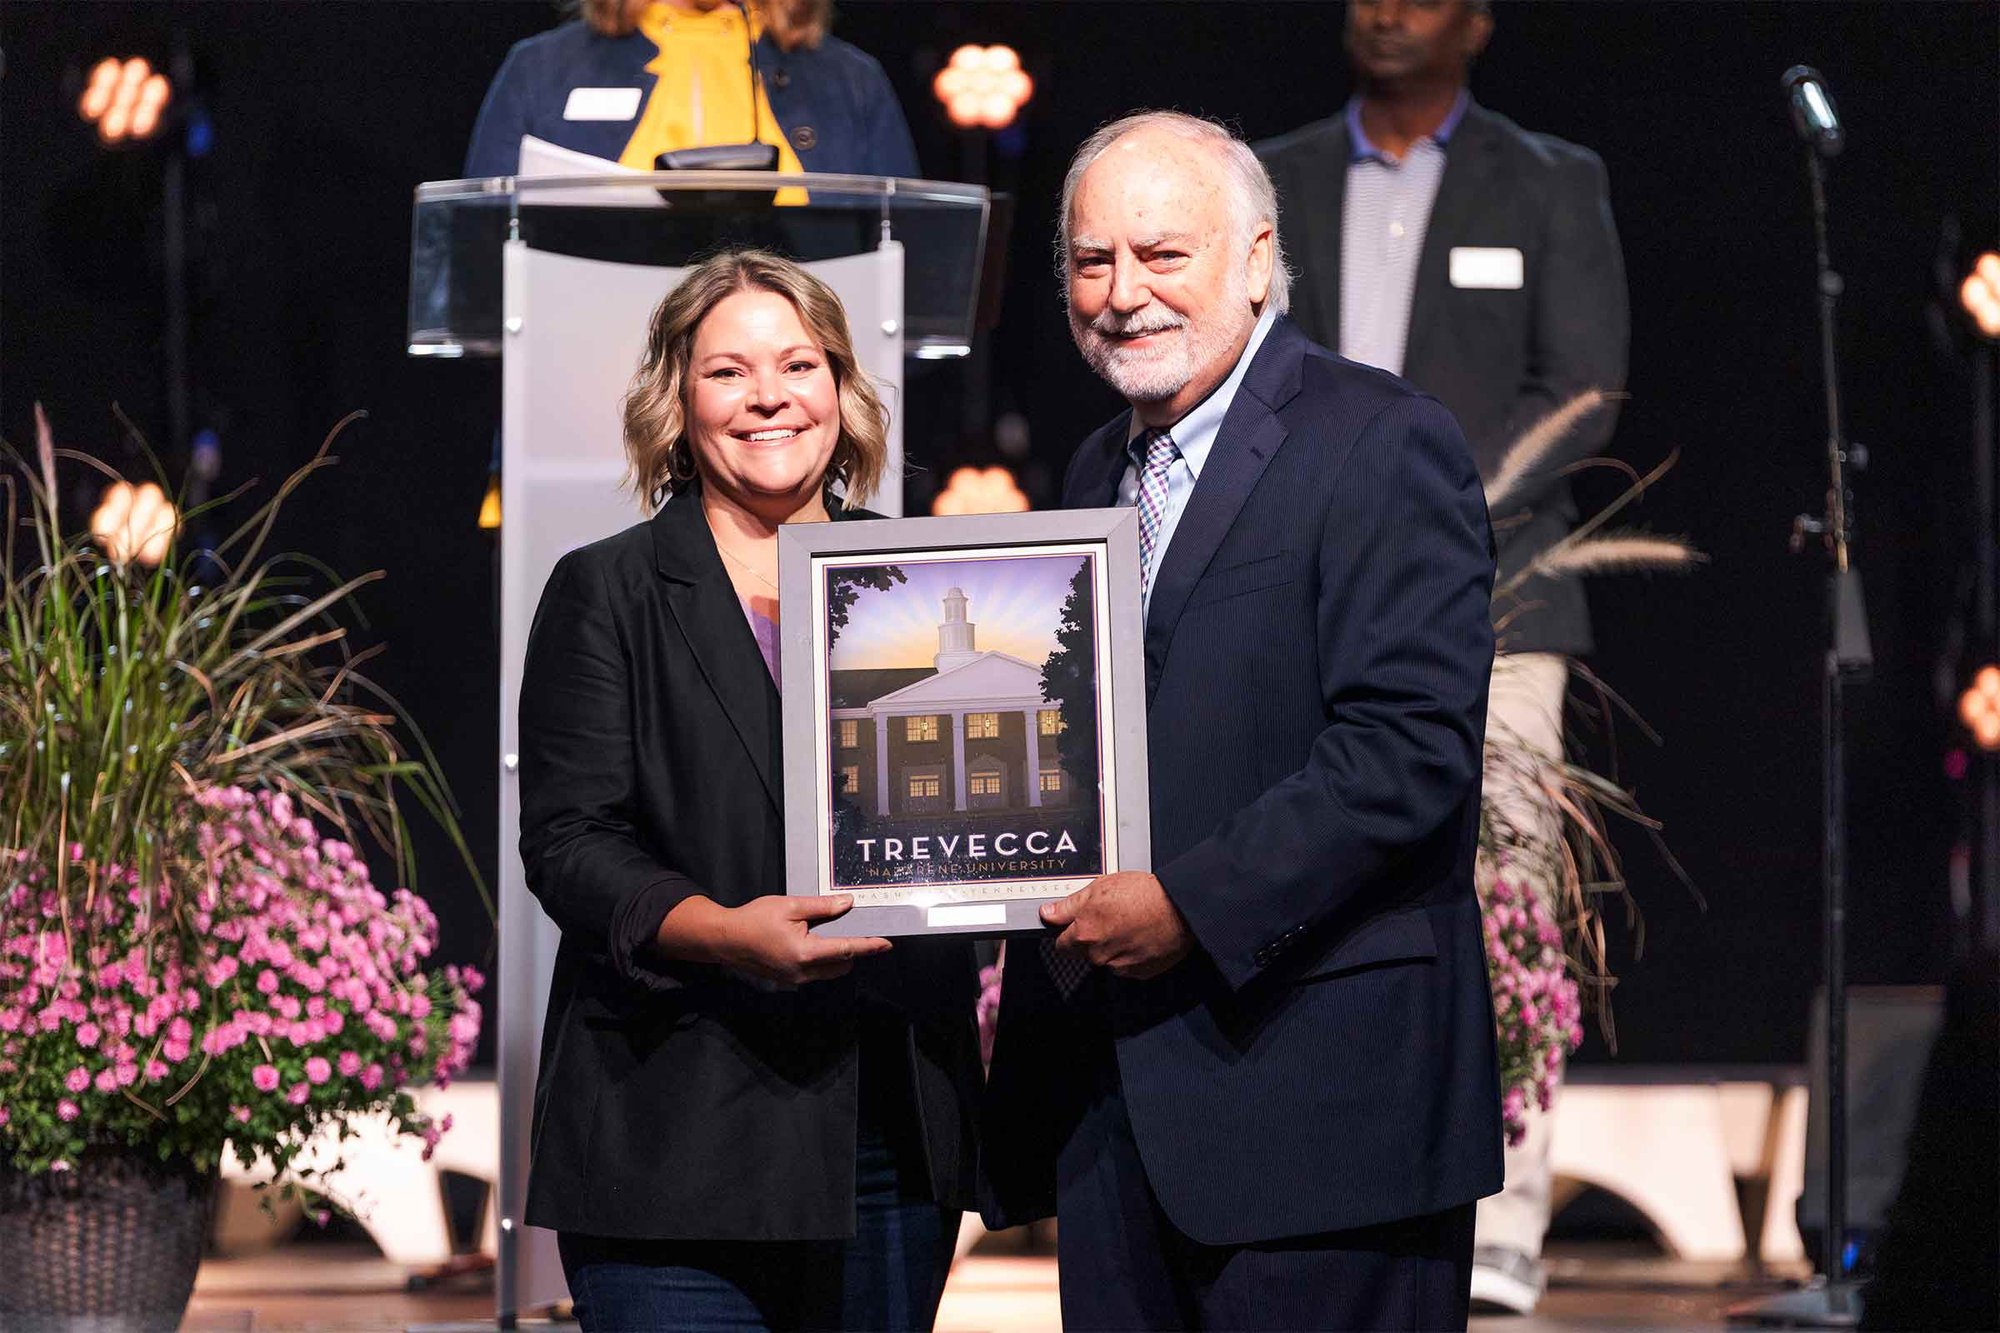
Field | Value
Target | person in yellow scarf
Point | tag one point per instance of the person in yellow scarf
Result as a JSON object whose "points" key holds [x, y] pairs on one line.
{"points": [[630, 79]]}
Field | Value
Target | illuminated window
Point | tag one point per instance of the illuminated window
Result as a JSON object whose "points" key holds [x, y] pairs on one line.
{"points": [[924, 786], [1052, 780], [982, 726], [922, 728], [849, 733], [985, 784], [1049, 721], [850, 778]]}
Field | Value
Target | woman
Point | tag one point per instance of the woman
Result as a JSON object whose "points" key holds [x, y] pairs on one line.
{"points": [[632, 79], [737, 1123]]}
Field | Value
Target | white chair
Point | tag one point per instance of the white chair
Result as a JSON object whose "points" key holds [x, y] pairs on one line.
{"points": [[382, 1178], [1662, 1148]]}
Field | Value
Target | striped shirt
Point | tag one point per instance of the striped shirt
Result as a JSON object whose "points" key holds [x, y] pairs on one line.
{"points": [[1387, 211]]}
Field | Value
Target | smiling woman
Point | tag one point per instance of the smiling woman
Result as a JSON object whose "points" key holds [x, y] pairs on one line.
{"points": [[749, 393], [701, 1036]]}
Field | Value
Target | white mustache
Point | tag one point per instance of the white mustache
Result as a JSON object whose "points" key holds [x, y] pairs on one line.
{"points": [[1129, 326]]}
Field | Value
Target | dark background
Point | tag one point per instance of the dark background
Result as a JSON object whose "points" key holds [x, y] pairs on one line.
{"points": [[325, 116]]}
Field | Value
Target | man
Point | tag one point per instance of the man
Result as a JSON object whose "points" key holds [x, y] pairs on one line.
{"points": [[1270, 1098], [1447, 245]]}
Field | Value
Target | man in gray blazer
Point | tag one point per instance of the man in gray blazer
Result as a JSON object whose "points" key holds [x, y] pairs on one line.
{"points": [[1446, 244]]}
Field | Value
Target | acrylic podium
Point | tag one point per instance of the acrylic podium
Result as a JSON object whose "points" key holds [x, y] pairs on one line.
{"points": [[557, 276]]}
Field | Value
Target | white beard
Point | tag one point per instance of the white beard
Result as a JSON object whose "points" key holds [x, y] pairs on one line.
{"points": [[1155, 374]]}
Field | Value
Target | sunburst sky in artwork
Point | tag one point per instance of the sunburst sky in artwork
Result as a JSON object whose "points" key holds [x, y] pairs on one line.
{"points": [[1015, 604]]}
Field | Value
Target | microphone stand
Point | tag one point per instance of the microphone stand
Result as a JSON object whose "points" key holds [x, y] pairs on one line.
{"points": [[1832, 1300]]}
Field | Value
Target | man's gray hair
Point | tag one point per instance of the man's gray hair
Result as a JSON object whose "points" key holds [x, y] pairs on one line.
{"points": [[1252, 198]]}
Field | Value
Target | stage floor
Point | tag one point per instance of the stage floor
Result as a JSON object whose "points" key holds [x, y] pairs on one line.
{"points": [[351, 1289]]}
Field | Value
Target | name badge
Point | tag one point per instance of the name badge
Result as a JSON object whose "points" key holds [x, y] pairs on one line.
{"points": [[1493, 268], [601, 104]]}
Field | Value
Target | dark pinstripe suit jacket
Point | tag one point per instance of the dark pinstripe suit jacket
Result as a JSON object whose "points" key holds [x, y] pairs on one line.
{"points": [[1317, 650]]}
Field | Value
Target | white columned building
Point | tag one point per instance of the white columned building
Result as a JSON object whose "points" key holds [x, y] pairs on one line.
{"points": [[964, 681]]}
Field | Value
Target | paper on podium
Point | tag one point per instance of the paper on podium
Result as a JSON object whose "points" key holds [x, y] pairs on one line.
{"points": [[540, 158]]}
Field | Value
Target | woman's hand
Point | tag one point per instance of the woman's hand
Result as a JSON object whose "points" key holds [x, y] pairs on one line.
{"points": [[767, 937]]}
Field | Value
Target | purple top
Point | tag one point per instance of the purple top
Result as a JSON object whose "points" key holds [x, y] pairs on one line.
{"points": [[765, 631]]}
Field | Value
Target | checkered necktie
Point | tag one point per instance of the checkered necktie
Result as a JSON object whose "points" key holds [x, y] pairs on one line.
{"points": [[1157, 454], [1065, 969]]}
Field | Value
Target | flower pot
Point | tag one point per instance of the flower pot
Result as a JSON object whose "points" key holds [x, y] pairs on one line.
{"points": [[111, 1244]]}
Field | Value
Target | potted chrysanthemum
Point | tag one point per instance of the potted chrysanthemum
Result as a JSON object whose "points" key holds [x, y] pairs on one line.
{"points": [[193, 959]]}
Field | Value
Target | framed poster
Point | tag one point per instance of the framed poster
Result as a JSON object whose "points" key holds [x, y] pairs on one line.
{"points": [[965, 715]]}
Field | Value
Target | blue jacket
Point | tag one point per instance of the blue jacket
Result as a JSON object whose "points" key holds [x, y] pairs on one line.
{"points": [[834, 102], [1317, 649]]}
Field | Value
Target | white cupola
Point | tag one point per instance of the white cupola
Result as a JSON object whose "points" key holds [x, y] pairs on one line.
{"points": [[955, 634]]}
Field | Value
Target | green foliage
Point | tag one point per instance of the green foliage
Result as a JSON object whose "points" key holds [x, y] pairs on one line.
{"points": [[123, 689], [1069, 678]]}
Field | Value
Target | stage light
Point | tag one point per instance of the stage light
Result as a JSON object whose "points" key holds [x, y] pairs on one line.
{"points": [[1980, 294], [125, 99], [1979, 708], [983, 86], [489, 505], [993, 490], [134, 523]]}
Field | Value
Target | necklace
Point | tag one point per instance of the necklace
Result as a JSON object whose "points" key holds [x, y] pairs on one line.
{"points": [[746, 566]]}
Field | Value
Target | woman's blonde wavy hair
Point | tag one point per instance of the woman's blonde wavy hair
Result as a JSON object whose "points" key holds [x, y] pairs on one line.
{"points": [[794, 24], [656, 406]]}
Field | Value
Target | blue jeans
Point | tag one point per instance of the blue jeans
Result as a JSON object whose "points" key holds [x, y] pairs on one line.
{"points": [[890, 1276]]}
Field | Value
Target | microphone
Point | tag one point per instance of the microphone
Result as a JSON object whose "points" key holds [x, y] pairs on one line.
{"points": [[1813, 115], [753, 156]]}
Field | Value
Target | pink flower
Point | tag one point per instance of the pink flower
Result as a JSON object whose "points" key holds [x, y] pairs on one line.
{"points": [[297, 1096], [265, 1077], [350, 1064], [5, 1115], [67, 1109], [242, 1114], [78, 1080], [88, 1034], [318, 1070], [371, 1077]]}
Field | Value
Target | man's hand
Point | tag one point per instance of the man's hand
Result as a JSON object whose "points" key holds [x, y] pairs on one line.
{"points": [[1124, 922]]}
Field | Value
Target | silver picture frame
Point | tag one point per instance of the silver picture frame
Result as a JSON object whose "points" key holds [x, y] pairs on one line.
{"points": [[953, 786]]}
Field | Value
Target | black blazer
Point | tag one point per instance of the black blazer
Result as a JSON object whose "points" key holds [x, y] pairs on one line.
{"points": [[1499, 359], [1317, 651], [679, 1099]]}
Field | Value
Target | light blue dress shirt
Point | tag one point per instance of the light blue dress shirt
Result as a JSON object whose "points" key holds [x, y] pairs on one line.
{"points": [[1194, 435]]}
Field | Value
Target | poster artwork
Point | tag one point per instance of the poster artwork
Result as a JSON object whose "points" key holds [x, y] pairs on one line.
{"points": [[963, 713]]}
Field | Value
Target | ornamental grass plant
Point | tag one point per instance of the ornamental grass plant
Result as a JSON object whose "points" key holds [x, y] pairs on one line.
{"points": [[192, 762], [1543, 890]]}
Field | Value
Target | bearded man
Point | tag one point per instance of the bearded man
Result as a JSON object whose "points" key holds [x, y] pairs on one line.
{"points": [[1257, 1085]]}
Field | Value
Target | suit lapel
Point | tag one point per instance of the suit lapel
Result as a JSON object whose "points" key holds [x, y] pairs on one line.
{"points": [[1468, 171], [704, 606], [1322, 195], [1100, 465], [1251, 434]]}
